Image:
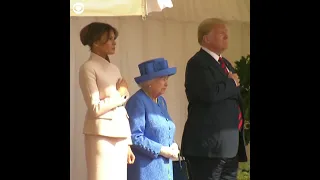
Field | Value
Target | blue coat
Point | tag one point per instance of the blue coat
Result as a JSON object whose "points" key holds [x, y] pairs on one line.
{"points": [[151, 128]]}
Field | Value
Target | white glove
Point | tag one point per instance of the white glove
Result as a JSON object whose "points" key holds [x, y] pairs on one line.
{"points": [[174, 146], [166, 152], [175, 151]]}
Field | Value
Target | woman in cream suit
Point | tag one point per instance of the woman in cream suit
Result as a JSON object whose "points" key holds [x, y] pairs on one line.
{"points": [[106, 128]]}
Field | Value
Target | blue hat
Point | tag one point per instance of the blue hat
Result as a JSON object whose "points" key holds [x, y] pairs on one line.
{"points": [[154, 68]]}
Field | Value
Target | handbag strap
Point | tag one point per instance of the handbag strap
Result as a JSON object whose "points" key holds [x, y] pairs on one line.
{"points": [[180, 157]]}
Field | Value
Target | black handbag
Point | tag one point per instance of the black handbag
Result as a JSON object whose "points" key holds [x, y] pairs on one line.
{"points": [[180, 169]]}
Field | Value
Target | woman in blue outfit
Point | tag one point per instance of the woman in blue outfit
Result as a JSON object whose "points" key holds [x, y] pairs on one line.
{"points": [[152, 128]]}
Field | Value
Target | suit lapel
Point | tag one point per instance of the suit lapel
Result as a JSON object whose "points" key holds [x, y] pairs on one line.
{"points": [[211, 61], [214, 64], [231, 69], [228, 64]]}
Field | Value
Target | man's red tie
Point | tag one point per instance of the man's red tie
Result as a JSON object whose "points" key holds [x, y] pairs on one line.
{"points": [[224, 67]]}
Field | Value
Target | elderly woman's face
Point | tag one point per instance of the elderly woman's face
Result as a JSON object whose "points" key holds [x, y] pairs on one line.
{"points": [[159, 85]]}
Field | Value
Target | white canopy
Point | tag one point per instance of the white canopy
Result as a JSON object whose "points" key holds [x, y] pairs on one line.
{"points": [[183, 10], [117, 7]]}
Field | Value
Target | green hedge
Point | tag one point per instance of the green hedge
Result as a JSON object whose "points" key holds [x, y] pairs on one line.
{"points": [[244, 171], [242, 67]]}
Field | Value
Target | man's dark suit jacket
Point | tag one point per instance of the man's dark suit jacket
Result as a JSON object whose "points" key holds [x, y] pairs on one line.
{"points": [[211, 129]]}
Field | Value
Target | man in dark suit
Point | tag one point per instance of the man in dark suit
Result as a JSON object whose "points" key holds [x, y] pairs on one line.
{"points": [[213, 139]]}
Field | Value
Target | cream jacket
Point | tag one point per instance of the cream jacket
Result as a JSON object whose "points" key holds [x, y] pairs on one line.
{"points": [[106, 115]]}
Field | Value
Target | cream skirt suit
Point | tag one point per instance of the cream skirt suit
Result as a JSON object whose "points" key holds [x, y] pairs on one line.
{"points": [[106, 128]]}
